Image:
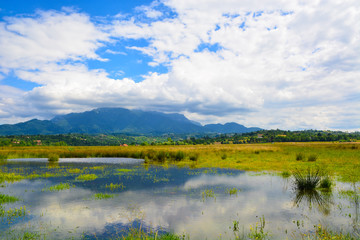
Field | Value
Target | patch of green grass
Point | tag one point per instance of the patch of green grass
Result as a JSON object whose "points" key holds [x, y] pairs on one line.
{"points": [[59, 187], [100, 196], [86, 177], [7, 199]]}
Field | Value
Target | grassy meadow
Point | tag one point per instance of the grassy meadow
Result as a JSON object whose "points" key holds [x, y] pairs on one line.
{"points": [[335, 159]]}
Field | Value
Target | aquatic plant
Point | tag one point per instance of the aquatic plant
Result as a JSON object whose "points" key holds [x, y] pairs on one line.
{"points": [[232, 191], [86, 177], [140, 234], [74, 170], [207, 193], [325, 183], [321, 233], [100, 196], [10, 177], [53, 157], [12, 213], [59, 187], [113, 186], [100, 168], [258, 231], [7, 199]]}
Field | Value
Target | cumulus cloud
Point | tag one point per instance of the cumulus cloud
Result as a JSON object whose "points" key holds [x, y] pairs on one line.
{"points": [[257, 62]]}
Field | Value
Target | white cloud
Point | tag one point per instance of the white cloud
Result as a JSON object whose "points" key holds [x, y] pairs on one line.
{"points": [[286, 64], [30, 42]]}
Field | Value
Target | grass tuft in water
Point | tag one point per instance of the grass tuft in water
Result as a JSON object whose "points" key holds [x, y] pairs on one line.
{"points": [[308, 180], [326, 183], [285, 174], [53, 157], [86, 177]]}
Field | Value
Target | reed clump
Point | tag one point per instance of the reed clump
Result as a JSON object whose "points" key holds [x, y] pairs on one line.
{"points": [[53, 157], [307, 180]]}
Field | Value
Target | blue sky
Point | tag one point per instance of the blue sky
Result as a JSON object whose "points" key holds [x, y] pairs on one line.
{"points": [[271, 64]]}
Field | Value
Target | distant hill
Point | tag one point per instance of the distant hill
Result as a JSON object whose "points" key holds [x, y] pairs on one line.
{"points": [[119, 120]]}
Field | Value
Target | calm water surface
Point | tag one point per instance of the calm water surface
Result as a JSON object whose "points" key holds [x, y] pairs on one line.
{"points": [[201, 203]]}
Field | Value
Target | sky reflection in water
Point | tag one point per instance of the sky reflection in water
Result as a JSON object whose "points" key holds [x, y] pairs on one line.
{"points": [[171, 199]]}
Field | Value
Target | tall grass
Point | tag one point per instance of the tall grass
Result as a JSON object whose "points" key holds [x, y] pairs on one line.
{"points": [[307, 180]]}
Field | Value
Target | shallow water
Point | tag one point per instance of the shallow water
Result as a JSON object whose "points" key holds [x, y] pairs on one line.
{"points": [[195, 202]]}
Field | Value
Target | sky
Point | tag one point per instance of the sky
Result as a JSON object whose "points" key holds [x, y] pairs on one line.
{"points": [[283, 64]]}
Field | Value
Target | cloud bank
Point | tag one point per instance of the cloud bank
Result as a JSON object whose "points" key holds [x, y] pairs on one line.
{"points": [[272, 64]]}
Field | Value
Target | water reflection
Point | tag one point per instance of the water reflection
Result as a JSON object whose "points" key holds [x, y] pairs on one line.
{"points": [[321, 200], [168, 199]]}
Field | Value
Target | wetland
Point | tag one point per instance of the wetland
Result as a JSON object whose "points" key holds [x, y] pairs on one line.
{"points": [[224, 192]]}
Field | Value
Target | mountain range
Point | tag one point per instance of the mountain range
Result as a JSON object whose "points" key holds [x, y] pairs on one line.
{"points": [[119, 120]]}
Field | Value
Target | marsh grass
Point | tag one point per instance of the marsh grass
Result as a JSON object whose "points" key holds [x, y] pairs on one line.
{"points": [[7, 199], [285, 174], [86, 177], [300, 156], [307, 180], [326, 183], [312, 158], [342, 159], [53, 157]]}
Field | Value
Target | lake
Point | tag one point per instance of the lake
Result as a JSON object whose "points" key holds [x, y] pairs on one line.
{"points": [[101, 198]]}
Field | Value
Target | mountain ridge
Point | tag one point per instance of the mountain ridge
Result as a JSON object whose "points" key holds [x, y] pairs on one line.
{"points": [[119, 120]]}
